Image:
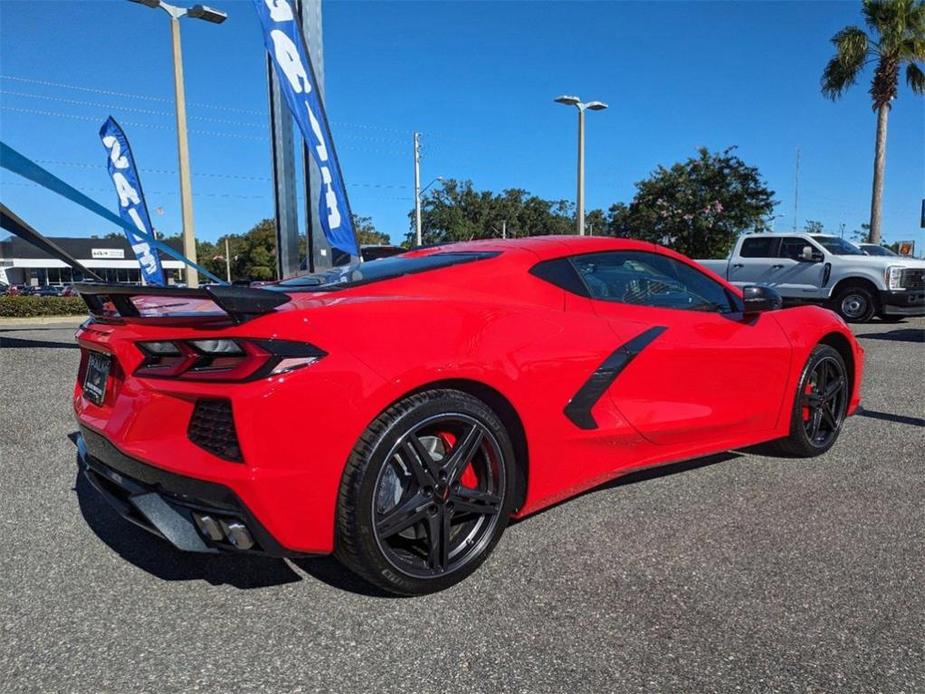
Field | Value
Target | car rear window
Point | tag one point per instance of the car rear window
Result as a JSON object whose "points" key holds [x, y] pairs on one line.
{"points": [[376, 271]]}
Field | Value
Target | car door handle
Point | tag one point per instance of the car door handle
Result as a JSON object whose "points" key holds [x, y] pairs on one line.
{"points": [[736, 266], [777, 267]]}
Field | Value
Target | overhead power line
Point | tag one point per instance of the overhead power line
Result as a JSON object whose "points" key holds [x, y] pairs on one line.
{"points": [[206, 174], [166, 100]]}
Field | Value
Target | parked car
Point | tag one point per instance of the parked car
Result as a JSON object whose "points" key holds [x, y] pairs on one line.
{"points": [[877, 249], [50, 290], [399, 412], [823, 269]]}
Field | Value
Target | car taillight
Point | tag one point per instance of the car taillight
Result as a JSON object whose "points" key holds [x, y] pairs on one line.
{"points": [[224, 359]]}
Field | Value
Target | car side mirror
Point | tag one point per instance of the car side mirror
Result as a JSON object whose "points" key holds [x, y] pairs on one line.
{"points": [[758, 298], [811, 255]]}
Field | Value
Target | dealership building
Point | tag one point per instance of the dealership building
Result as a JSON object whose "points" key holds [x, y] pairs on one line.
{"points": [[110, 258]]}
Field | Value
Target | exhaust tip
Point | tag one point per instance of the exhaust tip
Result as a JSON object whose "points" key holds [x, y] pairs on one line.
{"points": [[238, 535], [209, 527]]}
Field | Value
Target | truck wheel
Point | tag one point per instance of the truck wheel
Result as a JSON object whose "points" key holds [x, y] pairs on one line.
{"points": [[856, 304]]}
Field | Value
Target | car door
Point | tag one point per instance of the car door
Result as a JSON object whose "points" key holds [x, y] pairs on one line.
{"points": [[756, 261], [698, 374], [796, 276]]}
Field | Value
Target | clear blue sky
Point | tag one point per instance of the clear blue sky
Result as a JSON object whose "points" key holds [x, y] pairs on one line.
{"points": [[478, 80]]}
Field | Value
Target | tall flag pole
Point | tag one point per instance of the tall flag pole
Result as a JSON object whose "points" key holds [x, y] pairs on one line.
{"points": [[285, 43], [132, 207]]}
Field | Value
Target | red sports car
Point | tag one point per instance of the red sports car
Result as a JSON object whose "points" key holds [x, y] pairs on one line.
{"points": [[399, 412]]}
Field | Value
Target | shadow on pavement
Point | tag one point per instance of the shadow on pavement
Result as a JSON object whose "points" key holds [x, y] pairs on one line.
{"points": [[644, 475], [889, 417], [901, 335], [160, 559], [22, 343], [330, 571]]}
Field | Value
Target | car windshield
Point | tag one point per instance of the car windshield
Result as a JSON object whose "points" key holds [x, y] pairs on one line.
{"points": [[837, 246], [375, 271], [874, 249]]}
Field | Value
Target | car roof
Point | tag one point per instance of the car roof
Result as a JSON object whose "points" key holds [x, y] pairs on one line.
{"points": [[545, 247]]}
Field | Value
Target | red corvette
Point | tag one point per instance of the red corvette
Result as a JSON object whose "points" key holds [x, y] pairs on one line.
{"points": [[399, 412]]}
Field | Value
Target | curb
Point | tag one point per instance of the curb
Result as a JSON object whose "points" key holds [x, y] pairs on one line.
{"points": [[44, 320]]}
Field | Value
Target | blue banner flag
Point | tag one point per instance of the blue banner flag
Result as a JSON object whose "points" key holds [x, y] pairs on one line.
{"points": [[132, 207], [286, 46]]}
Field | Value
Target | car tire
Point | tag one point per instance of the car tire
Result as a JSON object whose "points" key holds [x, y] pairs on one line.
{"points": [[819, 406], [855, 304], [426, 494]]}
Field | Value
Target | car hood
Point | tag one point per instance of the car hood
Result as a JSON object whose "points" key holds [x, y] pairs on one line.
{"points": [[882, 261]]}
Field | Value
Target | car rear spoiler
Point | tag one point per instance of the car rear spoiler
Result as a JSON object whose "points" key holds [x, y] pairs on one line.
{"points": [[240, 303]]}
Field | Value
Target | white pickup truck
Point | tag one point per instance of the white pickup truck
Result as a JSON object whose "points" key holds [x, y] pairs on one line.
{"points": [[828, 270]]}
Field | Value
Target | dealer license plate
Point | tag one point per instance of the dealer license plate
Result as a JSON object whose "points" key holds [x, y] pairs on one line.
{"points": [[97, 377]]}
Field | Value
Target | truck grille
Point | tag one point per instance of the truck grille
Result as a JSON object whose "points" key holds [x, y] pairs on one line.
{"points": [[212, 427], [912, 279]]}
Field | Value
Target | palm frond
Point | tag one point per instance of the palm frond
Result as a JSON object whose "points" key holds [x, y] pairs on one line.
{"points": [[915, 78], [851, 47], [877, 13], [913, 49]]}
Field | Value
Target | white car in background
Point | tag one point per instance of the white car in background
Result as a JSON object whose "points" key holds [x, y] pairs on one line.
{"points": [[877, 249], [828, 270]]}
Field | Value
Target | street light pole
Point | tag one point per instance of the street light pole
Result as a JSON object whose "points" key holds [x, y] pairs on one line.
{"points": [[582, 107], [417, 188], [580, 196], [186, 191]]}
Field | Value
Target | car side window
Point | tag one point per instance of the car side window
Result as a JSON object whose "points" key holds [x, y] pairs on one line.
{"points": [[650, 279], [762, 246], [792, 247]]}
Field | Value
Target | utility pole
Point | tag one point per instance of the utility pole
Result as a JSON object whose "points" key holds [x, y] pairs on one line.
{"points": [[417, 188], [796, 192], [227, 262], [503, 228]]}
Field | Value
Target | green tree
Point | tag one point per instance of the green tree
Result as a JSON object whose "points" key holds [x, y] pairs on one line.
{"points": [[367, 232], [256, 257], [458, 212], [698, 207], [813, 226], [861, 235], [896, 40]]}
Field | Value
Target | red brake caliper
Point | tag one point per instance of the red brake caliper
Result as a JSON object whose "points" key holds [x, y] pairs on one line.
{"points": [[468, 477], [808, 390]]}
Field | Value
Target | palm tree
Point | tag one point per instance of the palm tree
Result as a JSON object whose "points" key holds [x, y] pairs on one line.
{"points": [[896, 40]]}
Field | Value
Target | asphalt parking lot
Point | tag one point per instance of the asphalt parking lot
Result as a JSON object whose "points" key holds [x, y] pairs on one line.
{"points": [[735, 573]]}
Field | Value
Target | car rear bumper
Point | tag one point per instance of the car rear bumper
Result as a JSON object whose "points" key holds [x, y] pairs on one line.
{"points": [[177, 508], [903, 303]]}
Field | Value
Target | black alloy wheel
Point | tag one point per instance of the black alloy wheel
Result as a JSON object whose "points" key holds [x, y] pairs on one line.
{"points": [[439, 498], [423, 505], [824, 401], [820, 405]]}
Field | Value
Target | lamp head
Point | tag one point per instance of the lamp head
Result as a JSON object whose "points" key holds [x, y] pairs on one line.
{"points": [[596, 105], [203, 12], [567, 100]]}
